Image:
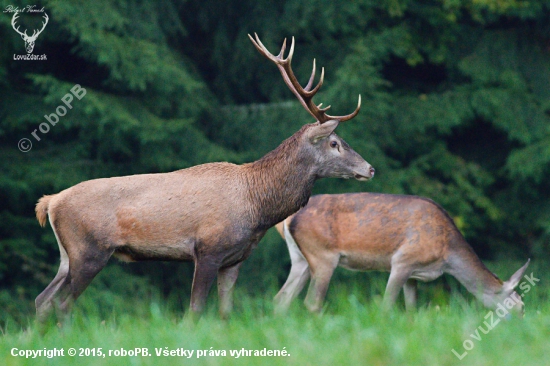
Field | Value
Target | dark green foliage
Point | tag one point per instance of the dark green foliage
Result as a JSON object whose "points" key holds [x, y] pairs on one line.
{"points": [[456, 107]]}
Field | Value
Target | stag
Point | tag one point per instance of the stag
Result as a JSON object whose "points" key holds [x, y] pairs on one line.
{"points": [[411, 237], [29, 40], [212, 214]]}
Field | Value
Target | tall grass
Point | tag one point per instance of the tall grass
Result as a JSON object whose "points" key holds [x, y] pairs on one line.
{"points": [[352, 330]]}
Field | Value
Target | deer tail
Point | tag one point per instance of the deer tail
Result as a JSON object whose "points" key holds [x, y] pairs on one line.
{"points": [[42, 209]]}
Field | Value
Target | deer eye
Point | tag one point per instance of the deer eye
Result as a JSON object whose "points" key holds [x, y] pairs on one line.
{"points": [[333, 144]]}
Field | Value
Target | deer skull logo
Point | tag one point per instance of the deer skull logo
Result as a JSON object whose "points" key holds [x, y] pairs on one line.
{"points": [[29, 40]]}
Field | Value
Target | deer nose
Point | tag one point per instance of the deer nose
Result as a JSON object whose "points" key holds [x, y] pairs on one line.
{"points": [[371, 170]]}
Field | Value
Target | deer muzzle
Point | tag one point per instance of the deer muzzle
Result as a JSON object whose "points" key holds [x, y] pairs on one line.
{"points": [[365, 173]]}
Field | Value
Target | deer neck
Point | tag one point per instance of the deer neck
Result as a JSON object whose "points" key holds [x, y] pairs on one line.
{"points": [[468, 269], [281, 182]]}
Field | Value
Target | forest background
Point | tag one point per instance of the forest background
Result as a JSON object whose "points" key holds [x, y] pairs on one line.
{"points": [[456, 107]]}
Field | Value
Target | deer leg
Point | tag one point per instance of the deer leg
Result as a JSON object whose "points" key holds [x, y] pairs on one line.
{"points": [[80, 263], [226, 285], [409, 290], [43, 302], [297, 278], [205, 273], [398, 277], [321, 272], [85, 264]]}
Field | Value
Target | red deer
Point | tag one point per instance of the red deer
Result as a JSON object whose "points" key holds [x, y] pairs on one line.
{"points": [[213, 214], [411, 237]]}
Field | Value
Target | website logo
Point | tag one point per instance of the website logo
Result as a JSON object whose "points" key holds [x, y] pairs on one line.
{"points": [[29, 40]]}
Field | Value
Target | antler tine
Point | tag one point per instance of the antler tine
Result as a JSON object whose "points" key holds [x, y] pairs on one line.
{"points": [[15, 16], [281, 54], [46, 18], [260, 47], [291, 52], [311, 93], [323, 109], [264, 51], [349, 116], [311, 78]]}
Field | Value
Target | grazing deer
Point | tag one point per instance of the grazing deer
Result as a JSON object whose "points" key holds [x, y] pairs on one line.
{"points": [[213, 214], [411, 237]]}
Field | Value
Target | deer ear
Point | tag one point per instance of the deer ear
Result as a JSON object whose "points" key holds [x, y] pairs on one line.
{"points": [[321, 131], [511, 284]]}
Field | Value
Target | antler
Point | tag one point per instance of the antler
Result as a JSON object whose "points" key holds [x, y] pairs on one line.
{"points": [[17, 29], [304, 95], [35, 33]]}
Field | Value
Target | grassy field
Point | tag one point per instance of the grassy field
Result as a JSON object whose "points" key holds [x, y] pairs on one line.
{"points": [[352, 330]]}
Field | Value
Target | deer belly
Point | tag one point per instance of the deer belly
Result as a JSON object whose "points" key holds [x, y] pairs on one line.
{"points": [[427, 273], [165, 252], [364, 262]]}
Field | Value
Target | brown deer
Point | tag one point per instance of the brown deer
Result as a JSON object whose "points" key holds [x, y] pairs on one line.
{"points": [[411, 237], [213, 214]]}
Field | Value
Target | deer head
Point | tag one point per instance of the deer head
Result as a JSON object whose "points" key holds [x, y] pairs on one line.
{"points": [[335, 157], [29, 40]]}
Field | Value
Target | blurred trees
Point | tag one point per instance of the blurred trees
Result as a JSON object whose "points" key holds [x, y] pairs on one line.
{"points": [[456, 107]]}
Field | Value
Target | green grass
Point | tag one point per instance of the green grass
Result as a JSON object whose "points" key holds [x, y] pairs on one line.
{"points": [[352, 330]]}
